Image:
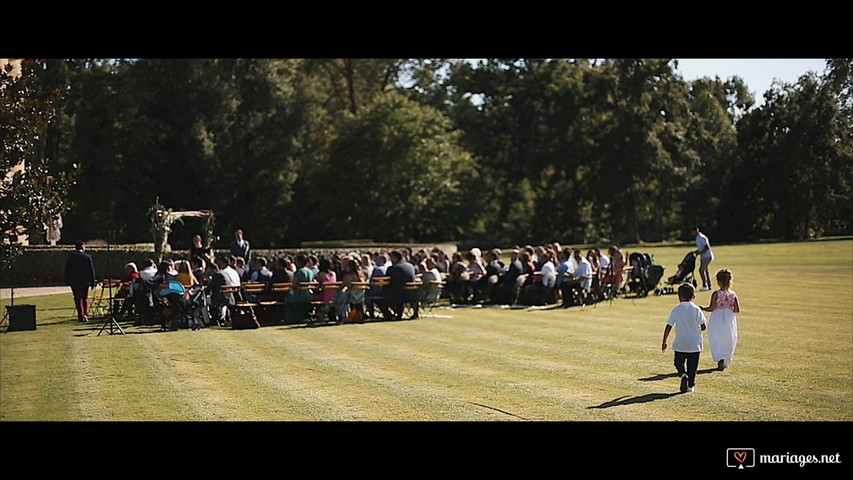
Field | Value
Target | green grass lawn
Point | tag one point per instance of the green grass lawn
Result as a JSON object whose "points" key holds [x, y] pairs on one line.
{"points": [[794, 359]]}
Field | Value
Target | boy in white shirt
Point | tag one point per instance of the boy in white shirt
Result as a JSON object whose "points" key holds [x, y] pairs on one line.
{"points": [[689, 322]]}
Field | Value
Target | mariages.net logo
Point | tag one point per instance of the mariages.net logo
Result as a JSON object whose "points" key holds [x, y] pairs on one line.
{"points": [[742, 458]]}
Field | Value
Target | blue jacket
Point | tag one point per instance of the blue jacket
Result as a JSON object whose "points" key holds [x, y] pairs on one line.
{"points": [[400, 273], [80, 270]]}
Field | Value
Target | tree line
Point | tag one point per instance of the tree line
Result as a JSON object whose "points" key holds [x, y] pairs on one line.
{"points": [[494, 151]]}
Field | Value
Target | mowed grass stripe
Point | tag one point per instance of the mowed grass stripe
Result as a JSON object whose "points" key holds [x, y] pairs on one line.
{"points": [[37, 372], [236, 376], [119, 378], [516, 377], [183, 370], [575, 338], [656, 337], [377, 385], [569, 379], [411, 388], [311, 369], [726, 391], [446, 366]]}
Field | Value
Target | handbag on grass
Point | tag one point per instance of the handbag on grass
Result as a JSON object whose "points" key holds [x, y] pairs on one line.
{"points": [[244, 319], [355, 316]]}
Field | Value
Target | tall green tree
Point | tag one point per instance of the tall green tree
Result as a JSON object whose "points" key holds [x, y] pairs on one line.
{"points": [[715, 106], [797, 162], [354, 82], [228, 135], [528, 124], [34, 188], [396, 172], [646, 166]]}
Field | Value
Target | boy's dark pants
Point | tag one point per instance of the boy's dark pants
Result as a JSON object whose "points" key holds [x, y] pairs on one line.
{"points": [[692, 360]]}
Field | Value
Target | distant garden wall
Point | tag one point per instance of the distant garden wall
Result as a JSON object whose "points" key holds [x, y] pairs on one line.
{"points": [[45, 265]]}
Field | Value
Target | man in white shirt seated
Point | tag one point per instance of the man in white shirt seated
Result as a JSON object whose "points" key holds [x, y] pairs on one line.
{"points": [[541, 292], [230, 274], [149, 272], [583, 271], [549, 273], [577, 286]]}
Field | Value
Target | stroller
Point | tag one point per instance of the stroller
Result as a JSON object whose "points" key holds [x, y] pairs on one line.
{"points": [[180, 308], [645, 275], [145, 302], [684, 274], [198, 315]]}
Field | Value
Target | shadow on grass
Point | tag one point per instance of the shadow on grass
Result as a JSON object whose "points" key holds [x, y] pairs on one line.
{"points": [[318, 324], [626, 400], [129, 326], [664, 376], [59, 309]]}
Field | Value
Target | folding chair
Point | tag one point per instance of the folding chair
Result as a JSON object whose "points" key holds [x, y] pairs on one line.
{"points": [[310, 288], [357, 295], [412, 299], [375, 294], [223, 316], [102, 303], [278, 298], [324, 308], [253, 293], [518, 289], [431, 295]]}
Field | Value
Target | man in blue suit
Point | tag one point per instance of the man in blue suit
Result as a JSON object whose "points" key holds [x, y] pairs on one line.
{"points": [[80, 275], [395, 295]]}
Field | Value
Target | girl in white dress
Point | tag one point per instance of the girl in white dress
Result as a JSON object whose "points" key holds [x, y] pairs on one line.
{"points": [[722, 326]]}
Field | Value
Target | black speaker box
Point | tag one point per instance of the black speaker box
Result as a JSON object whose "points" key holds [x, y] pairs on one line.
{"points": [[21, 317]]}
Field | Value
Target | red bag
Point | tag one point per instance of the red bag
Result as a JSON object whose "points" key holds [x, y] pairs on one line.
{"points": [[355, 316], [244, 319]]}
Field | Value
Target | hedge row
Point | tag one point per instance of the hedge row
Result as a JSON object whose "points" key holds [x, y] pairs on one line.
{"points": [[45, 266]]}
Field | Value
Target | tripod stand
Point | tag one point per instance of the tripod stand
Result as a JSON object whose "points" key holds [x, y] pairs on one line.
{"points": [[8, 257], [9, 307], [110, 319]]}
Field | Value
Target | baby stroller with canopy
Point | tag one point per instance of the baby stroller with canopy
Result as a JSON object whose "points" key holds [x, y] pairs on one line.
{"points": [[182, 308], [173, 305], [145, 302], [198, 315], [645, 275], [683, 275]]}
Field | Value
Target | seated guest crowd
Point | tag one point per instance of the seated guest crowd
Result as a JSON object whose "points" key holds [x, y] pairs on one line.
{"points": [[533, 276]]}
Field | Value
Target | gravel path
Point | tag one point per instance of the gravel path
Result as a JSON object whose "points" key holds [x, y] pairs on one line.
{"points": [[6, 293]]}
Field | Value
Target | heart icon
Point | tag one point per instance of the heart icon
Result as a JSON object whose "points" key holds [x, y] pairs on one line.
{"points": [[740, 456]]}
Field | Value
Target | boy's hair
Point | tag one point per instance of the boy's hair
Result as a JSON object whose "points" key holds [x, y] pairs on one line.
{"points": [[686, 291]]}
